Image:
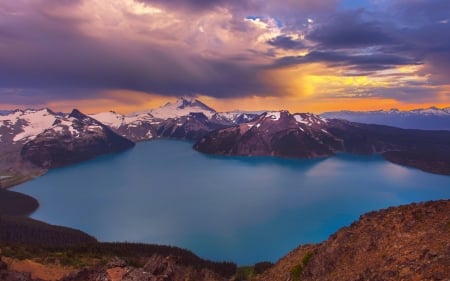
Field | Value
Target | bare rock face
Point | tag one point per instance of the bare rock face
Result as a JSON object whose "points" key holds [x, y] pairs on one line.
{"points": [[72, 139], [409, 242]]}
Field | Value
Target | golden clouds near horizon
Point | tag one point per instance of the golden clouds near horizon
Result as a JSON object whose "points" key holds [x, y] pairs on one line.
{"points": [[324, 81], [122, 101]]}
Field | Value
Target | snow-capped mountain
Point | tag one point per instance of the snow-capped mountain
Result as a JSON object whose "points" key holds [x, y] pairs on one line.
{"points": [[44, 139], [233, 118], [182, 107], [136, 126], [21, 126], [72, 138], [184, 119], [305, 135], [276, 133], [432, 118]]}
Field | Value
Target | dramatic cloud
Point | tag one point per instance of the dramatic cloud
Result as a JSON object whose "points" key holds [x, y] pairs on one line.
{"points": [[370, 62], [55, 51]]}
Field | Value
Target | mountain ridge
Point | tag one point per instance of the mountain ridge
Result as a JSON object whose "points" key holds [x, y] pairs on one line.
{"points": [[190, 119], [305, 135], [432, 118]]}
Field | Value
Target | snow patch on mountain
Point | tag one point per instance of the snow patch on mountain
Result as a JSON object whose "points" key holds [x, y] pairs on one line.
{"points": [[110, 118], [273, 115], [182, 107], [28, 123], [309, 119]]}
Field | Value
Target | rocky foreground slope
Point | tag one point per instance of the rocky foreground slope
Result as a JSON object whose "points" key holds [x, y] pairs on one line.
{"points": [[409, 242]]}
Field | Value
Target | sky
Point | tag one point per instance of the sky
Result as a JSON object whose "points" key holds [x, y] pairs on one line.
{"points": [[300, 55]]}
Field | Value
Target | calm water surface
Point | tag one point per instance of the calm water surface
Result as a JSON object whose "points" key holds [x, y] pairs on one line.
{"points": [[240, 209]]}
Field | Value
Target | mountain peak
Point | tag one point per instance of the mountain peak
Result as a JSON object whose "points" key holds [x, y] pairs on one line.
{"points": [[183, 106], [184, 102]]}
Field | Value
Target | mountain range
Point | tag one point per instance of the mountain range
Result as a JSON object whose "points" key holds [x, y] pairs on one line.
{"points": [[305, 135], [403, 243], [33, 141], [432, 118]]}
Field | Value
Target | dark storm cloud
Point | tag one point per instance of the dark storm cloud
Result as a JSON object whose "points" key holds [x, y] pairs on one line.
{"points": [[286, 42], [42, 47], [350, 30], [372, 62], [87, 64], [431, 43], [405, 33], [41, 51]]}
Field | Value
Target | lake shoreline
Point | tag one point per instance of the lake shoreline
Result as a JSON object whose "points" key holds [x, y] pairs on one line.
{"points": [[177, 154]]}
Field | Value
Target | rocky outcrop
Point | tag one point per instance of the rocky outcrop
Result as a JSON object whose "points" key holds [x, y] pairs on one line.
{"points": [[409, 242], [157, 268], [305, 135], [73, 139]]}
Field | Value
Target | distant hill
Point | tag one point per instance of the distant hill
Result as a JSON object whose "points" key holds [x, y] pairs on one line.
{"points": [[432, 118]]}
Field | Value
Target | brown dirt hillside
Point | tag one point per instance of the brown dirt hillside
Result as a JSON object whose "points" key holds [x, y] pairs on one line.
{"points": [[409, 242]]}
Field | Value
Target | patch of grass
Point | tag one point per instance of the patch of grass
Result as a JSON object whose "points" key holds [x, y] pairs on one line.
{"points": [[244, 273], [297, 271], [306, 258], [22, 252]]}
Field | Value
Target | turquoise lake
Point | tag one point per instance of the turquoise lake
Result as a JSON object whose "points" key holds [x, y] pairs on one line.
{"points": [[224, 208]]}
